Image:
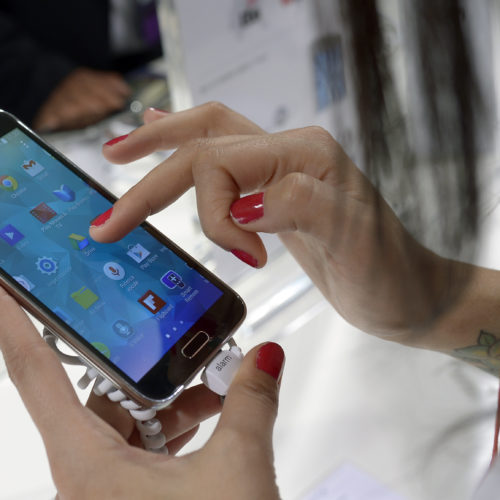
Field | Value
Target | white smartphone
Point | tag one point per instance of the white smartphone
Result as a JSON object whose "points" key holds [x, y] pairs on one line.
{"points": [[141, 310]]}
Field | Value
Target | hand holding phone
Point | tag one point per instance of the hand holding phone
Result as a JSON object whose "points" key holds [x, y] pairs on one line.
{"points": [[95, 453], [142, 311]]}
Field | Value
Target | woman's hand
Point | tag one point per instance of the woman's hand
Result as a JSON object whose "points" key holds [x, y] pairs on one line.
{"points": [[304, 188], [91, 453], [84, 97]]}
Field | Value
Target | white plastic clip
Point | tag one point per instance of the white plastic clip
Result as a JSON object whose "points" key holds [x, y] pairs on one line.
{"points": [[219, 374]]}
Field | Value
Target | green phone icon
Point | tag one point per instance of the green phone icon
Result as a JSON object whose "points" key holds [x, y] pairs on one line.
{"points": [[84, 297], [102, 348]]}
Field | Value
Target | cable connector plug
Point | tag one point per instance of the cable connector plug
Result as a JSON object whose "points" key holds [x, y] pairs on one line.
{"points": [[219, 374]]}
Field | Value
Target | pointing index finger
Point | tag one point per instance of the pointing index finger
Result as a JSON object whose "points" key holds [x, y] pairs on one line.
{"points": [[161, 187]]}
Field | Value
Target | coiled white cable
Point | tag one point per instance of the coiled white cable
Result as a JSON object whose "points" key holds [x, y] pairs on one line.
{"points": [[217, 376], [149, 427]]}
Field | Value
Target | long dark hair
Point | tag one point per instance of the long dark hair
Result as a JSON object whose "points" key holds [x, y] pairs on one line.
{"points": [[439, 154]]}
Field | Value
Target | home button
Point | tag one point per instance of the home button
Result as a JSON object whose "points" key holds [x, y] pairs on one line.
{"points": [[195, 345]]}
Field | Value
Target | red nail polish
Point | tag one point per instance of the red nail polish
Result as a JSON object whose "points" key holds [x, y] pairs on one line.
{"points": [[248, 209], [270, 359], [245, 257], [116, 140], [101, 219]]}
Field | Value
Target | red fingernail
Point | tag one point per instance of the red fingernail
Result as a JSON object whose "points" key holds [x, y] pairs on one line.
{"points": [[245, 257], [116, 140], [270, 359], [248, 208], [162, 111], [101, 219]]}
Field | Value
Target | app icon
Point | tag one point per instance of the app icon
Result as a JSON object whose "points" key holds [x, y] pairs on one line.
{"points": [[123, 328], [24, 282], [78, 242], [32, 167], [46, 265], [85, 297], [152, 302], [138, 252], [64, 193], [114, 271], [11, 235], [63, 315], [8, 183], [172, 279], [102, 348], [43, 213]]}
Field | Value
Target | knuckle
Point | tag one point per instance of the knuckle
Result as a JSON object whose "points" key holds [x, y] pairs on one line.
{"points": [[216, 115], [322, 140], [216, 109], [297, 194], [297, 189], [320, 134]]}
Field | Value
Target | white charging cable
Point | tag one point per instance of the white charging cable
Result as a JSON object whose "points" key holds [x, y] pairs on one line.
{"points": [[217, 376]]}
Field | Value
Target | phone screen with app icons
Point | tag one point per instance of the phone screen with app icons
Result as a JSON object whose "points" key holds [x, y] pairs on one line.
{"points": [[131, 301]]}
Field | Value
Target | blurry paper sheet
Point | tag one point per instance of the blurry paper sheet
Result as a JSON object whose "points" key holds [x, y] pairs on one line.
{"points": [[272, 61], [349, 483]]}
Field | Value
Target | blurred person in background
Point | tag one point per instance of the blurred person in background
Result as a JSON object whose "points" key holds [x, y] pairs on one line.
{"points": [[361, 235], [64, 63]]}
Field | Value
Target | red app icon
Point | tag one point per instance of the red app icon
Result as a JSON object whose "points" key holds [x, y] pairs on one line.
{"points": [[43, 213], [152, 302]]}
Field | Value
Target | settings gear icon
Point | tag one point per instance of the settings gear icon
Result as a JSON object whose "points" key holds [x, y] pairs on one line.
{"points": [[46, 265]]}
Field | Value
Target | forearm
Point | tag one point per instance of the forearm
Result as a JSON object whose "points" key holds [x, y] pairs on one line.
{"points": [[454, 308], [420, 299]]}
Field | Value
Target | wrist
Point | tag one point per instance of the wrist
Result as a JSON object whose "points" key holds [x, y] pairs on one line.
{"points": [[465, 303], [413, 297]]}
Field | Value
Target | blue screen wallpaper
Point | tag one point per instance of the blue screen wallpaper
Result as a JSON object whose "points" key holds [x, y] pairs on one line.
{"points": [[132, 300]]}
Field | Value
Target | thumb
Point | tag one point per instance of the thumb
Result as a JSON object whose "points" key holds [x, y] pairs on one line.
{"points": [[251, 404]]}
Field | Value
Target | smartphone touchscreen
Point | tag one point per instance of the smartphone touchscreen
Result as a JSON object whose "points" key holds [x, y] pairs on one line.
{"points": [[141, 307]]}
